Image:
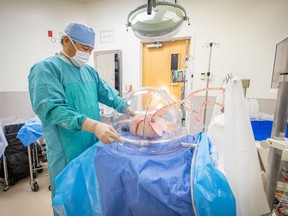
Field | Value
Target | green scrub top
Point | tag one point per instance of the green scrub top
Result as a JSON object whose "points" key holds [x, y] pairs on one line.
{"points": [[62, 96]]}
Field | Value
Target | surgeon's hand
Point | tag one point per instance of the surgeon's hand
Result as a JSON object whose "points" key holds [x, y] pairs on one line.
{"points": [[104, 132]]}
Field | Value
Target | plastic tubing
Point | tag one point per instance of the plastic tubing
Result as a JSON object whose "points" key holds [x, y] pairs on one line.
{"points": [[187, 104]]}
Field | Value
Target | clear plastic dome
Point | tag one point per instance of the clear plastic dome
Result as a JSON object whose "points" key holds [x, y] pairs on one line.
{"points": [[156, 127]]}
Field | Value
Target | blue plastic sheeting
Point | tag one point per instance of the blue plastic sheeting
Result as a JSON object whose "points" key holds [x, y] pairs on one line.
{"points": [[212, 193], [3, 141], [133, 183], [77, 189], [30, 132], [129, 185]]}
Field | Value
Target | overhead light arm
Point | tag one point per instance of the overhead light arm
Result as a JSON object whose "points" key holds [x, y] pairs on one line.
{"points": [[149, 7], [151, 4]]}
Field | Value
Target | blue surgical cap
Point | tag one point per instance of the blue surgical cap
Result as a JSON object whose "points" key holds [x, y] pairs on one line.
{"points": [[81, 34]]}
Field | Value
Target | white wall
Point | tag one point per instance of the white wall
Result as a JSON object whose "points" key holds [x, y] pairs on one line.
{"points": [[247, 31], [111, 15], [24, 38]]}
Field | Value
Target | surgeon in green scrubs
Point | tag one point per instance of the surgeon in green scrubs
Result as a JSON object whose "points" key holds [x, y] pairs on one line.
{"points": [[64, 93]]}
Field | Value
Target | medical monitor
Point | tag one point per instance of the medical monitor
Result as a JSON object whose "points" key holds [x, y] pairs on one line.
{"points": [[280, 62]]}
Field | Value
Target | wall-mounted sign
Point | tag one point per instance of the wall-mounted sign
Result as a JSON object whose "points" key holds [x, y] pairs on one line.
{"points": [[106, 36]]}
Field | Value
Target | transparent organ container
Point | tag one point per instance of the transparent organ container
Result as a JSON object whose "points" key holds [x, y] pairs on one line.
{"points": [[156, 127]]}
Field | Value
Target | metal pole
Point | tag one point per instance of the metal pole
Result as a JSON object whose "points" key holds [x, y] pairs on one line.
{"points": [[278, 132], [184, 88], [30, 163], [207, 84], [6, 181]]}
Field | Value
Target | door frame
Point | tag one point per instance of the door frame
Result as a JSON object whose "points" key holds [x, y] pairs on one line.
{"points": [[119, 53]]}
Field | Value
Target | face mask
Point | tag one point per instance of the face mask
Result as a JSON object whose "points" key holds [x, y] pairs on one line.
{"points": [[80, 58]]}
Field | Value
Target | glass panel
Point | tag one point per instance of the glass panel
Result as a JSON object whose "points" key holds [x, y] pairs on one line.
{"points": [[280, 62]]}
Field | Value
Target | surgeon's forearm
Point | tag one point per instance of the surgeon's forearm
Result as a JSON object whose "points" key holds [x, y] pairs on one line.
{"points": [[63, 116]]}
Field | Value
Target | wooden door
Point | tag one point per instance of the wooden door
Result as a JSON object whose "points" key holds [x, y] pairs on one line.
{"points": [[156, 65]]}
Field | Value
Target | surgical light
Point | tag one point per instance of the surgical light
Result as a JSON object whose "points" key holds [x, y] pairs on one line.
{"points": [[156, 21]]}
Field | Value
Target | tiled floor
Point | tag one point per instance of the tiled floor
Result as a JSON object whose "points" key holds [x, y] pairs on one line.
{"points": [[21, 200]]}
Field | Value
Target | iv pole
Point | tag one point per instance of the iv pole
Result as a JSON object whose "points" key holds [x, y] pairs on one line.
{"points": [[208, 78]]}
